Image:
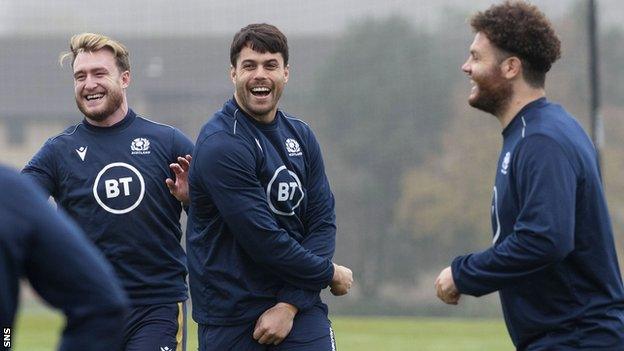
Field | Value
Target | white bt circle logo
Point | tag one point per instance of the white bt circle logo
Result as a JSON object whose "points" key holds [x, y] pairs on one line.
{"points": [[119, 188], [284, 192]]}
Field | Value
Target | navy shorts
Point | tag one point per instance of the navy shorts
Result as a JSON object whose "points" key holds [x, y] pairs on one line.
{"points": [[311, 331], [159, 327]]}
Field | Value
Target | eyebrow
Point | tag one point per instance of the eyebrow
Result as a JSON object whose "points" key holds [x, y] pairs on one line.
{"points": [[261, 62]]}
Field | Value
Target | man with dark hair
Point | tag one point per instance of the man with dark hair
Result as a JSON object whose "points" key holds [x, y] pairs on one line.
{"points": [[61, 265], [261, 231], [114, 174], [553, 258]]}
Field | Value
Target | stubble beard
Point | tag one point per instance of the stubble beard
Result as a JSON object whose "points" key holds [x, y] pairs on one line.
{"points": [[493, 94], [115, 99]]}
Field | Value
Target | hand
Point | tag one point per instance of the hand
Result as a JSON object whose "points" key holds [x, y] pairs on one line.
{"points": [[445, 287], [341, 281], [274, 324], [179, 188]]}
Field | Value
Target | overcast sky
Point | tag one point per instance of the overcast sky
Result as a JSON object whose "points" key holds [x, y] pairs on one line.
{"points": [[184, 17]]}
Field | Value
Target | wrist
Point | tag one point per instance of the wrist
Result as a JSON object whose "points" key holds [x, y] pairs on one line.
{"points": [[291, 308]]}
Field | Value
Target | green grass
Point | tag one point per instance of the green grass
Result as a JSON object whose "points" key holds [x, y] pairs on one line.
{"points": [[37, 329]]}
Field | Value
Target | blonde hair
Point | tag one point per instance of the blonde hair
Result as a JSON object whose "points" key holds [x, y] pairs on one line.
{"points": [[91, 42]]}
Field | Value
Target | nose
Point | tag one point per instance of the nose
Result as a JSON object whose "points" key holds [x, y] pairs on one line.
{"points": [[260, 73], [466, 67], [89, 82]]}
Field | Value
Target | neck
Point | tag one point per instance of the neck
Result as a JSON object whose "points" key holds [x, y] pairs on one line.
{"points": [[112, 119], [520, 98]]}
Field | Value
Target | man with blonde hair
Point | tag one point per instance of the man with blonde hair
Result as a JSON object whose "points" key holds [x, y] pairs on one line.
{"points": [[122, 177]]}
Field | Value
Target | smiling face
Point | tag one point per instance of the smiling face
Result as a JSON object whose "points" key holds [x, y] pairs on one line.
{"points": [[491, 91], [259, 79], [99, 86]]}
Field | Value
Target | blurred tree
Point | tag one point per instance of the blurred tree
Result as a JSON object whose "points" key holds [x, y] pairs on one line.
{"points": [[383, 94]]}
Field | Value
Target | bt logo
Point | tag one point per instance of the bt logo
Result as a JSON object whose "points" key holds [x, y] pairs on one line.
{"points": [[284, 192], [119, 188]]}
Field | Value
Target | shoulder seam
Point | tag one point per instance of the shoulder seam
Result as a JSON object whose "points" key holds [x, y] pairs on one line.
{"points": [[154, 122], [293, 118], [66, 133]]}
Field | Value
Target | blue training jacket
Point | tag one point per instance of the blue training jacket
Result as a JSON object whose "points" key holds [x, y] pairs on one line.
{"points": [[65, 269], [553, 257], [111, 181], [261, 221]]}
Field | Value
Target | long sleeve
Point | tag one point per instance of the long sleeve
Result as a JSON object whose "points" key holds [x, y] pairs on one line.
{"points": [[226, 166], [543, 233], [320, 223], [69, 273]]}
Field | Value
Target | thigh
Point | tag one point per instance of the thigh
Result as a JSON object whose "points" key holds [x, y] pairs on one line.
{"points": [[311, 331], [157, 327], [223, 338]]}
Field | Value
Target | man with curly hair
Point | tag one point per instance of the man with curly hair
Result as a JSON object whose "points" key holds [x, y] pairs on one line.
{"points": [[553, 258]]}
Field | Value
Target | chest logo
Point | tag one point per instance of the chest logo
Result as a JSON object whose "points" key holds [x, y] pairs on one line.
{"points": [[505, 165], [140, 146], [82, 152], [119, 188], [284, 192], [293, 148]]}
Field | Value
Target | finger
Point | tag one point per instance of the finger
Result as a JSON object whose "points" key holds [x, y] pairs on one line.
{"points": [[258, 332], [278, 340], [176, 168], [266, 338], [170, 184], [184, 163]]}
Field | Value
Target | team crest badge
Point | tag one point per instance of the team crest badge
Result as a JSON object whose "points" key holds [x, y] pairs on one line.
{"points": [[140, 146], [293, 148]]}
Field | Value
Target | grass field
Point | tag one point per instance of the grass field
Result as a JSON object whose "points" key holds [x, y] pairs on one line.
{"points": [[37, 329]]}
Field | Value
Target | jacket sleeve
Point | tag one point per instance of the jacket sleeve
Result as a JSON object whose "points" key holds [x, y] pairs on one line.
{"points": [[69, 273], [543, 232], [320, 223], [227, 167]]}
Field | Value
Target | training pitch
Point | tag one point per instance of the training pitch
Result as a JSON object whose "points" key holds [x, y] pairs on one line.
{"points": [[37, 329]]}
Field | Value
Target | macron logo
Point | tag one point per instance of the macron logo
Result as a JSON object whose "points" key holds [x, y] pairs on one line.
{"points": [[82, 152]]}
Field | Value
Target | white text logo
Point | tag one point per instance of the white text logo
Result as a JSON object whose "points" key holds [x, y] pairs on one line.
{"points": [[140, 146], [121, 190], [292, 146], [284, 192]]}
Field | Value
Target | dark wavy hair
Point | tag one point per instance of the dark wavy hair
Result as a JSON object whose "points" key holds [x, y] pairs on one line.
{"points": [[260, 37], [521, 29]]}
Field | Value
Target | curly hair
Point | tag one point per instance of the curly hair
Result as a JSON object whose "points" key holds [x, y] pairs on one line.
{"points": [[521, 30]]}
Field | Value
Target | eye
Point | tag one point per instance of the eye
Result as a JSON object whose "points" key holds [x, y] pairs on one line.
{"points": [[272, 66]]}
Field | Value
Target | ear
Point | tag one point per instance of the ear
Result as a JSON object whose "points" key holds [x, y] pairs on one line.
{"points": [[511, 67], [286, 73], [233, 74], [125, 79]]}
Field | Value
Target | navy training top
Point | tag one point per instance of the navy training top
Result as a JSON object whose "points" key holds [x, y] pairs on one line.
{"points": [[261, 224], [553, 258], [111, 181], [44, 246]]}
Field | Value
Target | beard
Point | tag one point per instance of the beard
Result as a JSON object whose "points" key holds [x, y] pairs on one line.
{"points": [[493, 93], [114, 101]]}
